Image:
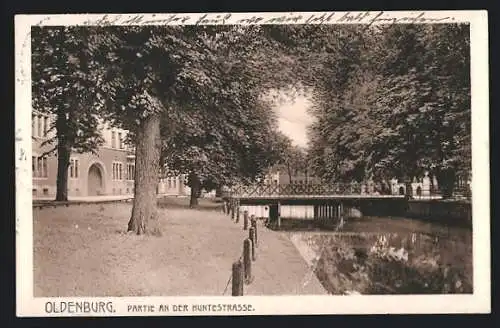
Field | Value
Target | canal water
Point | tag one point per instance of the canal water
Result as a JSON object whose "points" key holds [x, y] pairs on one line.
{"points": [[386, 255]]}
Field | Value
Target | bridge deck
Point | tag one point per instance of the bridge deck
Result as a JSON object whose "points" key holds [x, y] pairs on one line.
{"points": [[315, 199], [319, 197]]}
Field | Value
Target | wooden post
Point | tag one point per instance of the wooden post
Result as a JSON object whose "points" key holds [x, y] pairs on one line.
{"points": [[237, 211], [247, 260], [237, 278], [254, 225], [279, 215], [251, 236], [245, 220], [245, 217], [232, 209]]}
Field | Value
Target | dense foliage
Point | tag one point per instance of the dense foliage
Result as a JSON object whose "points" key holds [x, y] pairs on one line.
{"points": [[388, 101], [394, 102], [64, 89]]}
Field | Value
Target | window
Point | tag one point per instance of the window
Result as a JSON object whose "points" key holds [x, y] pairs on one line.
{"points": [[40, 127], [39, 167], [45, 126], [33, 125], [169, 183], [117, 171], [44, 167], [120, 143], [74, 168], [113, 139], [130, 171], [175, 182]]}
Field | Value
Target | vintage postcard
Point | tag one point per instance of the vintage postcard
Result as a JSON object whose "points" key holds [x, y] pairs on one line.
{"points": [[252, 163]]}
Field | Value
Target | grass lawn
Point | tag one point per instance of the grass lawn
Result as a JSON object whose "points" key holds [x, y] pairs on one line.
{"points": [[85, 251]]}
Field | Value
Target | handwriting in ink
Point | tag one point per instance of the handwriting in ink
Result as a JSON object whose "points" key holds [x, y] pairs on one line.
{"points": [[217, 20], [319, 19]]}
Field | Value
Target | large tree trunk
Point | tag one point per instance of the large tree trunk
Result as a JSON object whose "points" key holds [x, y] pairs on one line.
{"points": [[289, 171], [195, 189], [63, 155], [446, 180], [144, 218]]}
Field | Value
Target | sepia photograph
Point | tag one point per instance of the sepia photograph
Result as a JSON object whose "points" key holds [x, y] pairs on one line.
{"points": [[312, 156]]}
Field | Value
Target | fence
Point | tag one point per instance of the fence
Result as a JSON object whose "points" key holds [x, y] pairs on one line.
{"points": [[241, 271], [417, 189], [304, 189]]}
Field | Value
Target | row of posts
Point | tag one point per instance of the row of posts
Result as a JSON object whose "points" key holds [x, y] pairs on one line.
{"points": [[242, 268]]}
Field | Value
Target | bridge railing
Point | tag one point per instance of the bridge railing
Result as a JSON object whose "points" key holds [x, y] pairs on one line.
{"points": [[303, 189]]}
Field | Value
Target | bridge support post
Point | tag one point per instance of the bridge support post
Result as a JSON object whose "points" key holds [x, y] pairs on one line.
{"points": [[341, 213]]}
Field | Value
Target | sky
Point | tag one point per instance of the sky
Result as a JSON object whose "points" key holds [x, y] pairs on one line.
{"points": [[293, 119]]}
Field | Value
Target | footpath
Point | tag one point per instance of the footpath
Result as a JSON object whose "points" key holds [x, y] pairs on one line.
{"points": [[90, 199], [279, 268]]}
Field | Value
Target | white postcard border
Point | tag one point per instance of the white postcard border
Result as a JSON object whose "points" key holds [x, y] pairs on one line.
{"points": [[478, 302]]}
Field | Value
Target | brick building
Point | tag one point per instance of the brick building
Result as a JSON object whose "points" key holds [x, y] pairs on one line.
{"points": [[108, 172]]}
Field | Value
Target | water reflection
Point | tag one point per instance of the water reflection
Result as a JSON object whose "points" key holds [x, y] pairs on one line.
{"points": [[389, 256]]}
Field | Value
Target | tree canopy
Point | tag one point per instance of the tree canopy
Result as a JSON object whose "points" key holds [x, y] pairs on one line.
{"points": [[388, 100], [394, 103]]}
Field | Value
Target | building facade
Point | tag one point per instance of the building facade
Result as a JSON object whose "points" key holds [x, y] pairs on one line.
{"points": [[110, 171], [275, 176]]}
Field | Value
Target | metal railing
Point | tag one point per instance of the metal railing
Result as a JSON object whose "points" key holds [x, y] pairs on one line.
{"points": [[263, 190], [305, 189]]}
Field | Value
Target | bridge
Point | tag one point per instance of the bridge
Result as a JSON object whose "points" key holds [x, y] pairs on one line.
{"points": [[329, 205]]}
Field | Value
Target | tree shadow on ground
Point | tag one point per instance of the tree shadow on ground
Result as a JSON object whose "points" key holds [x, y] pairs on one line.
{"points": [[204, 204]]}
